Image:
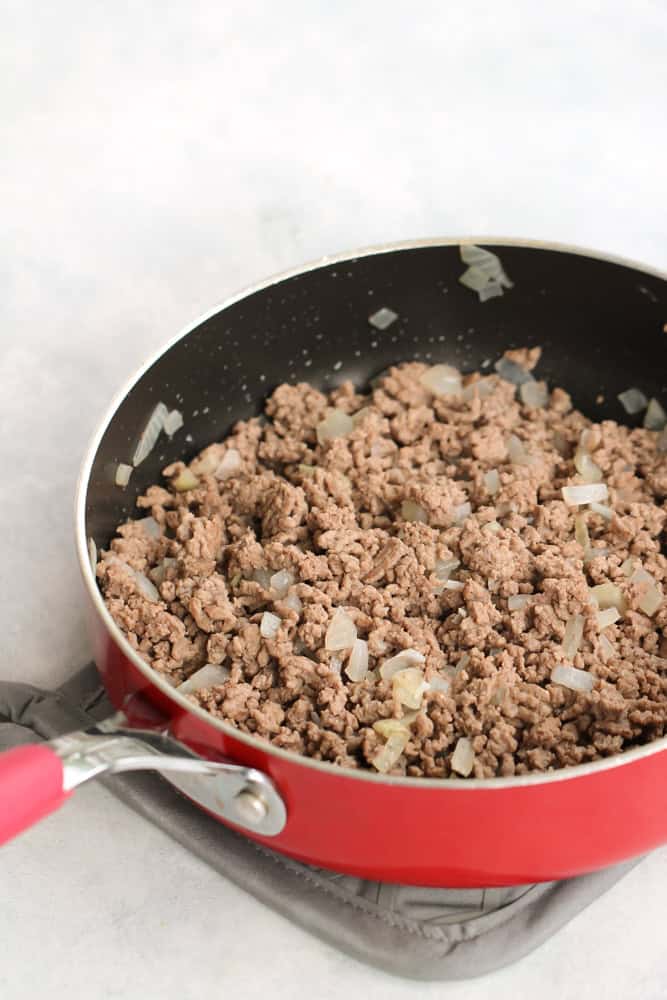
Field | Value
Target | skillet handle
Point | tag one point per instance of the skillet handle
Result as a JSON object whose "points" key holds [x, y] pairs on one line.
{"points": [[36, 779], [31, 787]]}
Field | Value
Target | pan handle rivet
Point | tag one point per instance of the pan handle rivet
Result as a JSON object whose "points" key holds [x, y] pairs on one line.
{"points": [[250, 807]]}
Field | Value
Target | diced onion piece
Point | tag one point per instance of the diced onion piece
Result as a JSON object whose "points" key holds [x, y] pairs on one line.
{"points": [[607, 617], [572, 678], [307, 470], [492, 481], [269, 625], [206, 463], [655, 417], [463, 663], [510, 371], [470, 253], [640, 576], [481, 387], [159, 572], [262, 577], [406, 658], [608, 595], [409, 686], [335, 424], [499, 695], [294, 602], [581, 532], [184, 481], [280, 582], [123, 473], [595, 553], [445, 567], [172, 422], [461, 512], [534, 394], [574, 631], [383, 318], [440, 683], [229, 465], [628, 567], [484, 262], [387, 727], [146, 588], [388, 755], [442, 380], [149, 525], [479, 281], [92, 554], [493, 527], [652, 596], [661, 443], [476, 279], [341, 632], [602, 509], [490, 291], [518, 601], [150, 434], [357, 664], [411, 511], [633, 400], [575, 496], [607, 648], [452, 585], [517, 452], [463, 758], [207, 676], [586, 467]]}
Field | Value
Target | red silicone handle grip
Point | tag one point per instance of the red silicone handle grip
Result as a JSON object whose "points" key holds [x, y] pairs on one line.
{"points": [[31, 787]]}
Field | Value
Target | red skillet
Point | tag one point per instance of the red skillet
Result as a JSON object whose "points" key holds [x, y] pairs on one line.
{"points": [[600, 322]]}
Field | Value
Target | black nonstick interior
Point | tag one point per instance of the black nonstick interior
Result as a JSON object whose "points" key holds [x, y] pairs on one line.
{"points": [[600, 325]]}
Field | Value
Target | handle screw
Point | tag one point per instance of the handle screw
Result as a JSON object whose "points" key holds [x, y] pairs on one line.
{"points": [[250, 807]]}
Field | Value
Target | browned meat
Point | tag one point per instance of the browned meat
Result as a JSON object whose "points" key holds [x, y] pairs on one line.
{"points": [[371, 521]]}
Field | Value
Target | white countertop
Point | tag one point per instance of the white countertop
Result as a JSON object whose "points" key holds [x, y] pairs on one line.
{"points": [[158, 157]]}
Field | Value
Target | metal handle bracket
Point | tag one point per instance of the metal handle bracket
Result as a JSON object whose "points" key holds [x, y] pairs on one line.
{"points": [[240, 795]]}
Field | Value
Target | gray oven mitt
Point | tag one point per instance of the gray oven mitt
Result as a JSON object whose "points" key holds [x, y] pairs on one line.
{"points": [[421, 933]]}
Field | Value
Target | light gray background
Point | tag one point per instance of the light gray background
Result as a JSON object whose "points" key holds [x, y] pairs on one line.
{"points": [[158, 156]]}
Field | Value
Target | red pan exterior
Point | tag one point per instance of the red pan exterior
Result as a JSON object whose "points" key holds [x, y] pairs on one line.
{"points": [[468, 836]]}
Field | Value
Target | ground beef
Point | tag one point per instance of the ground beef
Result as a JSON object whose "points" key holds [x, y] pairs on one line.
{"points": [[365, 522]]}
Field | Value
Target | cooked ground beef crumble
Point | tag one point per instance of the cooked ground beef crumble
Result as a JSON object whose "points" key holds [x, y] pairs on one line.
{"points": [[427, 522]]}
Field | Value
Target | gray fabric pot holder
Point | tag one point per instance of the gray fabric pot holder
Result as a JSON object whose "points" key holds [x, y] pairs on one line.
{"points": [[420, 933]]}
